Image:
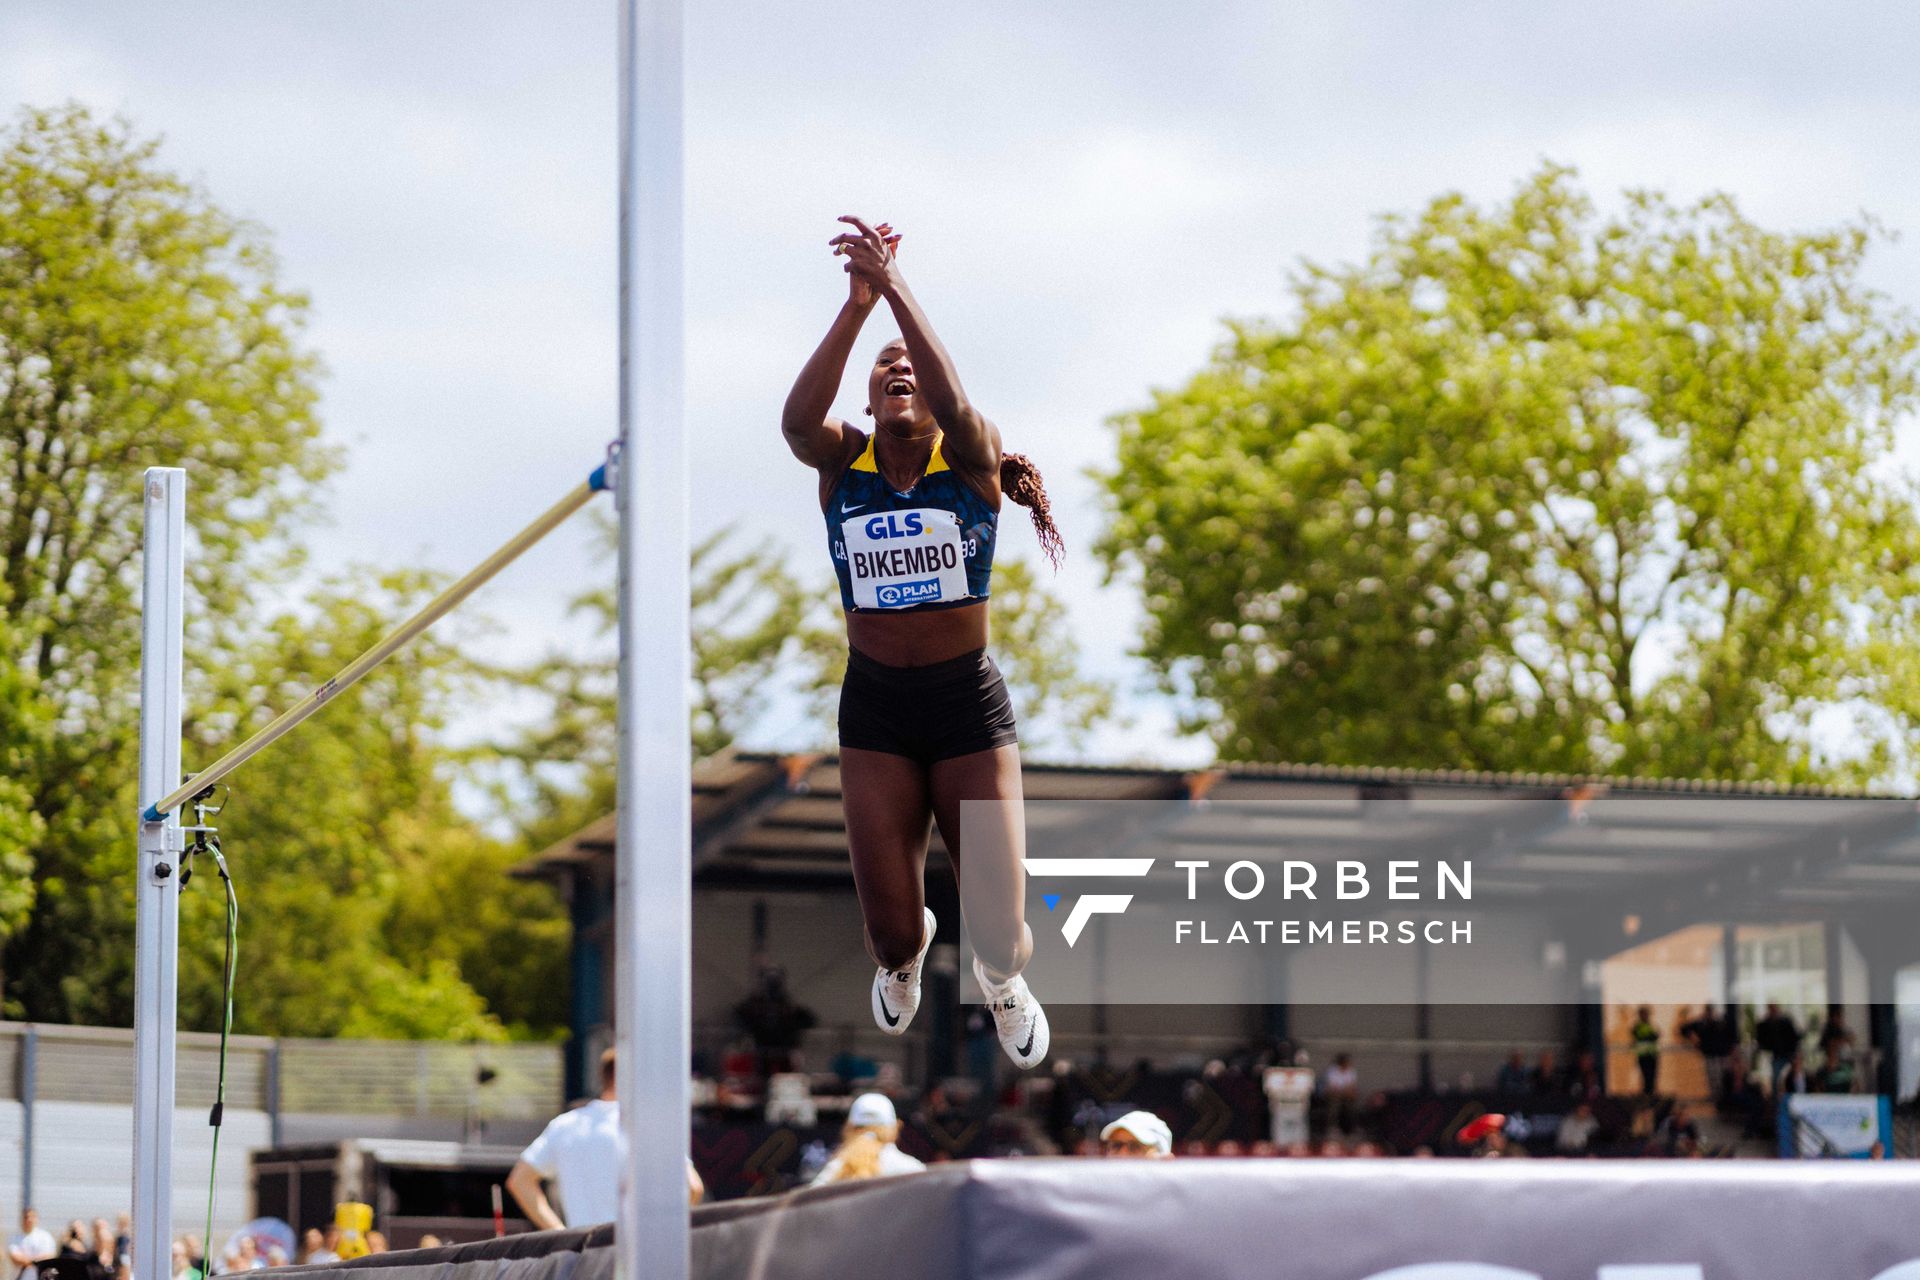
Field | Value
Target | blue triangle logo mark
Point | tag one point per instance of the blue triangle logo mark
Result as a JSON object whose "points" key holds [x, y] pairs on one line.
{"points": [[1051, 899]]}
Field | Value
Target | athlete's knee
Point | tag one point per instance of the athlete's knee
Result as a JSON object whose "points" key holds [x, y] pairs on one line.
{"points": [[1004, 951], [894, 944]]}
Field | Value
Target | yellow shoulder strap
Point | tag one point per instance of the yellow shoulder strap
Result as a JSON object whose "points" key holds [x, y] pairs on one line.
{"points": [[866, 462]]}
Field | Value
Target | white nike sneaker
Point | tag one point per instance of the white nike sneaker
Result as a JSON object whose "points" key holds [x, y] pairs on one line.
{"points": [[896, 992], [1021, 1021]]}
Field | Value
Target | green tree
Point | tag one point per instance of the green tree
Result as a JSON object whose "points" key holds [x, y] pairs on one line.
{"points": [[1534, 488], [139, 325], [23, 737], [1034, 647]]}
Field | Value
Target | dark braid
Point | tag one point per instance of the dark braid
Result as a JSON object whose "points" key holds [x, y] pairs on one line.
{"points": [[1020, 480]]}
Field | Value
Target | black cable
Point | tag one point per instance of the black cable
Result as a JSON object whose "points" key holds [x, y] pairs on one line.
{"points": [[210, 844]]}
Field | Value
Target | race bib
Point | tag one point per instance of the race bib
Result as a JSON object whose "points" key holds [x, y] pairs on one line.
{"points": [[897, 559]]}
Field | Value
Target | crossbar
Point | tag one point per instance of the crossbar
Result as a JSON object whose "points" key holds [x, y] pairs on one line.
{"points": [[395, 640]]}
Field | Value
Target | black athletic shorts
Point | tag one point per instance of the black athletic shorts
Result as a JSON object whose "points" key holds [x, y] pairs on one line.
{"points": [[952, 708]]}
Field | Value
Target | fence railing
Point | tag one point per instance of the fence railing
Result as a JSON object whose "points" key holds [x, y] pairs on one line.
{"points": [[514, 1081]]}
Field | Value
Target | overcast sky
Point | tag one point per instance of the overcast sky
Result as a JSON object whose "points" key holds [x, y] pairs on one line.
{"points": [[1086, 189]]}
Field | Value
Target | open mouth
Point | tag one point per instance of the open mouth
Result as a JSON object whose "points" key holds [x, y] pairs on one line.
{"points": [[898, 387]]}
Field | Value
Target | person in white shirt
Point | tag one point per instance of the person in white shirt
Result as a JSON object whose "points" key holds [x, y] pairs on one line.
{"points": [[33, 1245], [1341, 1088], [583, 1152], [867, 1147]]}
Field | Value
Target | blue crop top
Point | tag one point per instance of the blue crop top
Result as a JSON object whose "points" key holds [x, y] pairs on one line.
{"points": [[930, 547]]}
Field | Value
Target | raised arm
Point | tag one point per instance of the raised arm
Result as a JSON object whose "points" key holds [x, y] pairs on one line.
{"points": [[815, 436], [970, 439]]}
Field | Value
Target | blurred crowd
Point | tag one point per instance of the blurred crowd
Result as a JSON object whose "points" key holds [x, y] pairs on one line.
{"points": [[104, 1251]]}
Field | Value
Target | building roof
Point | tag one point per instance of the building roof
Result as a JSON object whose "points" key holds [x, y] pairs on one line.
{"points": [[768, 820]]}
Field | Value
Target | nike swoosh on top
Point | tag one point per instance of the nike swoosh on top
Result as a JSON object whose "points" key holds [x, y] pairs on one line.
{"points": [[846, 510]]}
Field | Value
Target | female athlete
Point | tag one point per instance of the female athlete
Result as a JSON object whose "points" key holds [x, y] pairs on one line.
{"points": [[925, 721]]}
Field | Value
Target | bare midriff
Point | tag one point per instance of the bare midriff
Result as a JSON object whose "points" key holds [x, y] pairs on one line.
{"points": [[919, 639]]}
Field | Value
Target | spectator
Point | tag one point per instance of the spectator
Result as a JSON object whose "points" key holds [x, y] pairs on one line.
{"points": [[1584, 1079], [314, 1250], [1715, 1036], [1836, 1033], [1340, 1086], [583, 1151], [1835, 1073], [1485, 1135], [196, 1255], [1779, 1037], [1792, 1077], [1137, 1135], [867, 1147], [243, 1256], [1512, 1078], [181, 1265], [1576, 1130], [1679, 1133], [376, 1242], [106, 1247], [774, 1021], [1646, 1050], [1745, 1099], [1547, 1077], [123, 1238], [75, 1260], [33, 1245]]}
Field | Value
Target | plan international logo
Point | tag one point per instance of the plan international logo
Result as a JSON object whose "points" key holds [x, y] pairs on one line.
{"points": [[1246, 881]]}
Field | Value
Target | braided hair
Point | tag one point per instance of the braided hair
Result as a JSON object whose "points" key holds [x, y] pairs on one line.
{"points": [[1020, 480]]}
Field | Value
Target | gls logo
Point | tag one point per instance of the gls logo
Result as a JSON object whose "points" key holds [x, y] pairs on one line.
{"points": [[1094, 903], [896, 525], [1623, 1271]]}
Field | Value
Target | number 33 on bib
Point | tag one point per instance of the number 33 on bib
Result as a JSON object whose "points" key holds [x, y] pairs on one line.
{"points": [[899, 559]]}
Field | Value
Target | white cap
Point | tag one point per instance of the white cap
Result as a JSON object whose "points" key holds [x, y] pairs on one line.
{"points": [[872, 1111], [1148, 1129]]}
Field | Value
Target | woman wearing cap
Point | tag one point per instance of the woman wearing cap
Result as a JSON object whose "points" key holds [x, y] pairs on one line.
{"points": [[912, 511], [867, 1147], [1139, 1135]]}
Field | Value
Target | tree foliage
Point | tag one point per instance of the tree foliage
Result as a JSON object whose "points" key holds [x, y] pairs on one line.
{"points": [[140, 325], [1536, 488]]}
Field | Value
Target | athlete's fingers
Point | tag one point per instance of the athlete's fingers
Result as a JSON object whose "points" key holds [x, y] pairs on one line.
{"points": [[850, 220], [872, 237]]}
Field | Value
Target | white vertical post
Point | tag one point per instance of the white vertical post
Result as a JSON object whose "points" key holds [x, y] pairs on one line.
{"points": [[653, 894], [156, 870]]}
